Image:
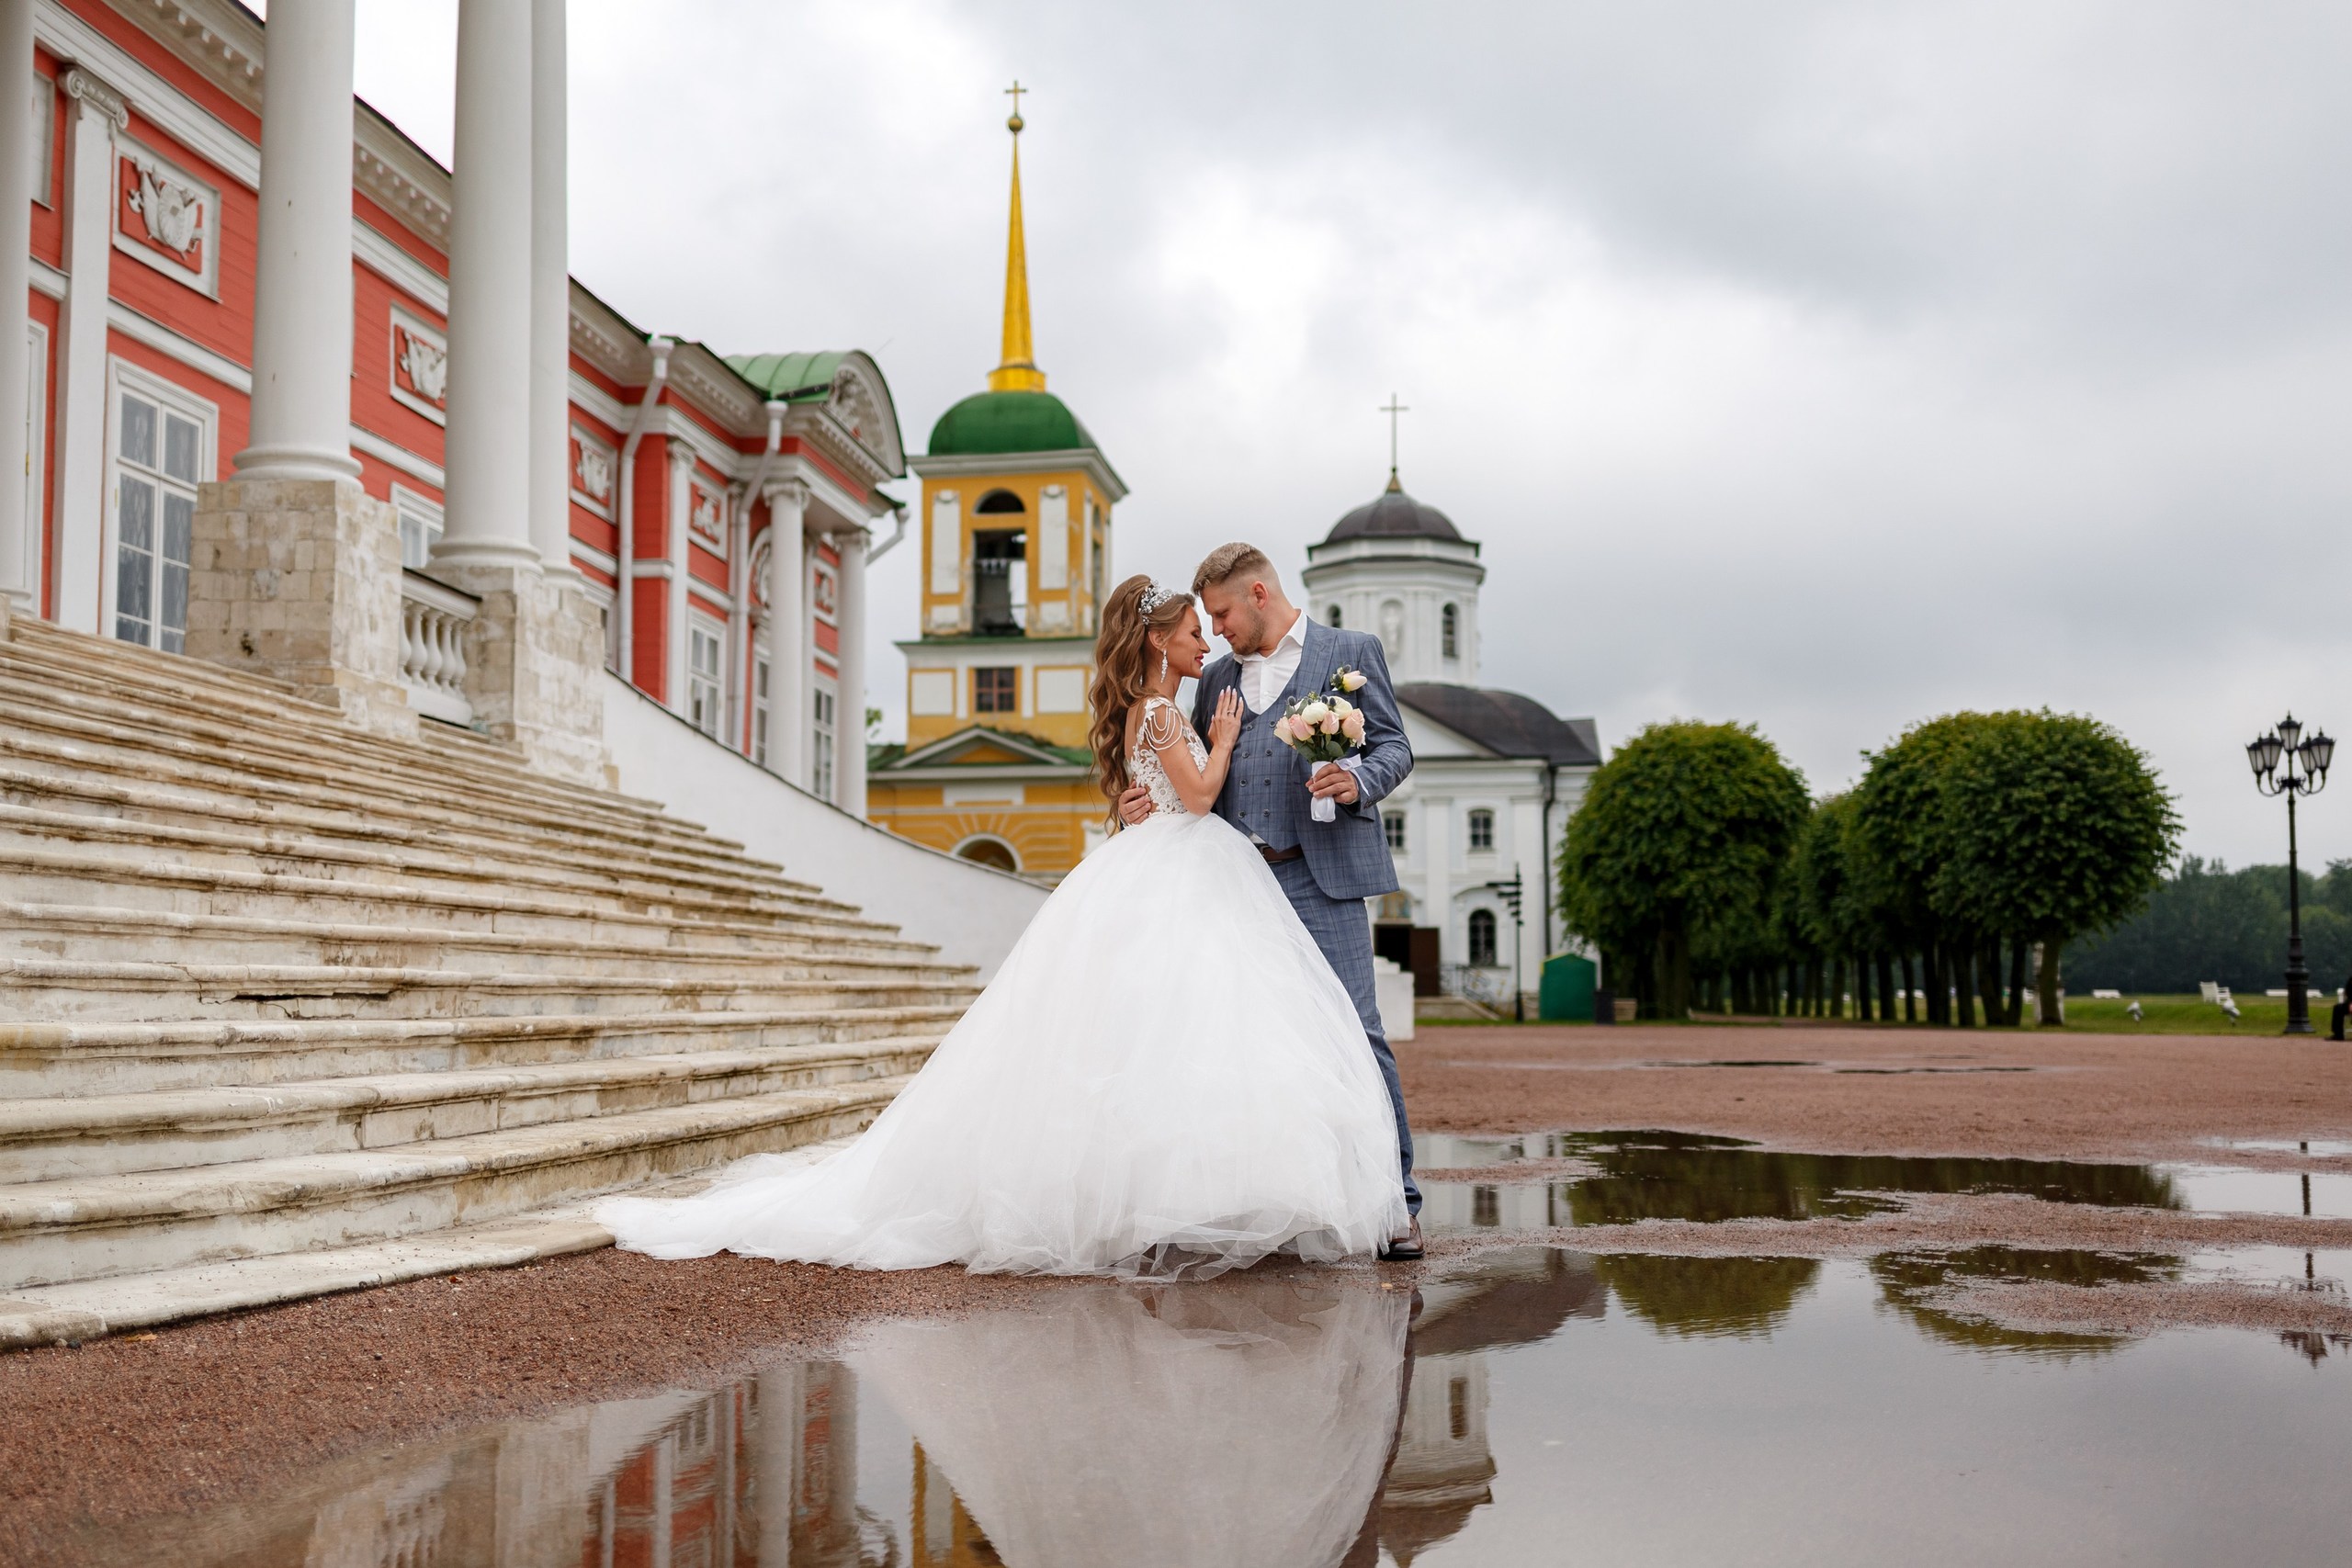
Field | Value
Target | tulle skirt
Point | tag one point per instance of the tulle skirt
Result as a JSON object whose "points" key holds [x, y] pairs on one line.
{"points": [[1165, 1076]]}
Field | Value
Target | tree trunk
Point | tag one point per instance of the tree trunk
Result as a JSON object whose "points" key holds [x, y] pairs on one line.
{"points": [[1931, 963], [2017, 981], [1963, 985], [1674, 992], [1838, 988], [1988, 980], [1886, 987], [2047, 985]]}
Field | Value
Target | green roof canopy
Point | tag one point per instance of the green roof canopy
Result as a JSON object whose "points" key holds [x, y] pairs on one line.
{"points": [[991, 423], [776, 374]]}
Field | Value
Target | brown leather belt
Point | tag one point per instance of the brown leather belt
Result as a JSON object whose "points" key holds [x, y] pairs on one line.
{"points": [[1279, 857]]}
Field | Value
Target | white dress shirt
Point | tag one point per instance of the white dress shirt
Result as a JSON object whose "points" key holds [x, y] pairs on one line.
{"points": [[1264, 676]]}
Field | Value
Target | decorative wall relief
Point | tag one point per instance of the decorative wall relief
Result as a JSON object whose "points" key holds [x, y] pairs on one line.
{"points": [[761, 553], [824, 590], [594, 465], [706, 516], [166, 217], [420, 367]]}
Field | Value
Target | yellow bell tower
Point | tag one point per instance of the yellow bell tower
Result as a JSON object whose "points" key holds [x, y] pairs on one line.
{"points": [[1016, 560]]}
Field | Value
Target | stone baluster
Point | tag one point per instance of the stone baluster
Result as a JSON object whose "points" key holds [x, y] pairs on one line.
{"points": [[20, 527]]}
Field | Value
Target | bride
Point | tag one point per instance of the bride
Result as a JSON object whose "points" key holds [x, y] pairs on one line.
{"points": [[1165, 1076]]}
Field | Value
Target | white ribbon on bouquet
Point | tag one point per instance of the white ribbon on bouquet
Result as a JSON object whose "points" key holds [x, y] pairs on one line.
{"points": [[1324, 808]]}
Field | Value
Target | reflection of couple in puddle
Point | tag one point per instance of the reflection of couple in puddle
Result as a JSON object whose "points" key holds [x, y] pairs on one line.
{"points": [[1283, 1421]]}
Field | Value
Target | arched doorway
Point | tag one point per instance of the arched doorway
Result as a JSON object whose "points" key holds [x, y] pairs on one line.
{"points": [[986, 850]]}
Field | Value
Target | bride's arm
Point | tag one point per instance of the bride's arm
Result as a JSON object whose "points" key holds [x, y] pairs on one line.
{"points": [[1197, 787]]}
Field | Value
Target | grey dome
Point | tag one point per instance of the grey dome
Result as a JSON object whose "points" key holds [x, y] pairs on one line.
{"points": [[1394, 515]]}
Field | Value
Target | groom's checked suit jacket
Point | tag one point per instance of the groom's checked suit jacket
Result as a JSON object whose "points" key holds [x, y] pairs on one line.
{"points": [[1265, 791]]}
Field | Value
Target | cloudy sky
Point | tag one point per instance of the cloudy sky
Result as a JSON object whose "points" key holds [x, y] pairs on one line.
{"points": [[1823, 366]]}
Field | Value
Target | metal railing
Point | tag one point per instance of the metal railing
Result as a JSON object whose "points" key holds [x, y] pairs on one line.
{"points": [[434, 617]]}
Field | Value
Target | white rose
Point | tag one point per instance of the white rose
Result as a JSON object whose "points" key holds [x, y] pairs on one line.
{"points": [[1352, 681], [1341, 706], [1313, 713]]}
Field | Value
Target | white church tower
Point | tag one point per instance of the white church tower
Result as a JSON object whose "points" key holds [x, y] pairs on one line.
{"points": [[1401, 571]]}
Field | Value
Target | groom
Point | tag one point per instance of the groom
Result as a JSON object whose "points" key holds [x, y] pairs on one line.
{"points": [[1328, 869]]}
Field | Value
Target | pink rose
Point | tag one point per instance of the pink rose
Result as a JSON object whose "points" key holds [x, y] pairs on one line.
{"points": [[1281, 730], [1352, 727], [1331, 725]]}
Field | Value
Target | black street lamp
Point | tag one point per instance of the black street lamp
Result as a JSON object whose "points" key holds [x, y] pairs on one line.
{"points": [[2305, 773], [1511, 893]]}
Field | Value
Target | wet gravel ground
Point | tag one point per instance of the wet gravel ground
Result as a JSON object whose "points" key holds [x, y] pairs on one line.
{"points": [[206, 1413]]}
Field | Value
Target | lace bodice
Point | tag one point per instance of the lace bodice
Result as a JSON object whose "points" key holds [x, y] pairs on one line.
{"points": [[1161, 723]]}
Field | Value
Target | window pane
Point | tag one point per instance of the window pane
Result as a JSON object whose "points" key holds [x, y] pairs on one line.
{"points": [[412, 542], [137, 523], [138, 430], [179, 528], [180, 437], [179, 518]]}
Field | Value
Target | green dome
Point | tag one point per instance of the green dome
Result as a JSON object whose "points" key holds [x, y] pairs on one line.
{"points": [[991, 422]]}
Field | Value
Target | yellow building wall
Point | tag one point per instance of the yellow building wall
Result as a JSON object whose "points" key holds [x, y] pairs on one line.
{"points": [[1031, 489], [1047, 831]]}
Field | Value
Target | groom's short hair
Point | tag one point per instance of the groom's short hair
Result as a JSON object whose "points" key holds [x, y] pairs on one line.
{"points": [[1227, 562]]}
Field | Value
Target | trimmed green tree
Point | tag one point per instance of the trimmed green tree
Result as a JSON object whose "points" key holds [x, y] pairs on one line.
{"points": [[2055, 828], [1676, 846]]}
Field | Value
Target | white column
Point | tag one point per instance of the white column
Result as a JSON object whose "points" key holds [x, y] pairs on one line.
{"points": [[488, 496], [681, 506], [93, 113], [849, 709], [301, 407], [19, 529], [788, 715], [1432, 845], [550, 296]]}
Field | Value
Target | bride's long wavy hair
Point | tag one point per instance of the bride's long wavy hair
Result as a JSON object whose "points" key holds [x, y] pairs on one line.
{"points": [[1121, 670]]}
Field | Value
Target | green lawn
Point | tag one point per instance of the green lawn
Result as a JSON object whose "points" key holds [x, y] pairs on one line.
{"points": [[2189, 1015]]}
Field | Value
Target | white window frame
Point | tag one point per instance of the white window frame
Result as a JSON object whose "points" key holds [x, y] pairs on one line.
{"points": [[761, 712], [705, 687], [1470, 831], [606, 607], [1392, 831], [824, 726], [426, 512], [122, 377], [1470, 939], [36, 454]]}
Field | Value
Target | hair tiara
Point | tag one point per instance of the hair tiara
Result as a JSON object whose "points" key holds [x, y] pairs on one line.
{"points": [[1154, 596]]}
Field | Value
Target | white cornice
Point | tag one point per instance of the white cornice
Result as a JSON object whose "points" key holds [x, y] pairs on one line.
{"points": [[220, 39], [1082, 460], [163, 340], [48, 279], [399, 268], [394, 455], [70, 37], [400, 177]]}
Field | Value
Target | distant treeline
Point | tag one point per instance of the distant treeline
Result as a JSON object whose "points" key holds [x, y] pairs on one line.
{"points": [[2208, 923]]}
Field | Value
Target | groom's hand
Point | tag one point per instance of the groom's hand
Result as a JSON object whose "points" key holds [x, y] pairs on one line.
{"points": [[1333, 781], [1135, 806]]}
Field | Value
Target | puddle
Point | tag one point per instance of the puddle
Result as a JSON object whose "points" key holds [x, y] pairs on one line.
{"points": [[2227, 1189], [2326, 1148], [1543, 1404], [1681, 1175]]}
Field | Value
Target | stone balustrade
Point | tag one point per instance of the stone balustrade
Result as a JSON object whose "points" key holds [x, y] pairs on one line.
{"points": [[434, 618]]}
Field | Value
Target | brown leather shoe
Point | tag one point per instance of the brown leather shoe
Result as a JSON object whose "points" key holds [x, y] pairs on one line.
{"points": [[1406, 1249]]}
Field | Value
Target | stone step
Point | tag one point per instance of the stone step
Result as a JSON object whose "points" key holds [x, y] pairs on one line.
{"points": [[96, 933], [96, 1227], [72, 748], [47, 1059], [157, 691], [68, 802], [98, 1135], [64, 990], [160, 883]]}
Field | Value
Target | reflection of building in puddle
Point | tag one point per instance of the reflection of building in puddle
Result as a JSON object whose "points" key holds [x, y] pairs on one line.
{"points": [[1443, 1467]]}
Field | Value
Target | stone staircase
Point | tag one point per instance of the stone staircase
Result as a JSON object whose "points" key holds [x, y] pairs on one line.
{"points": [[288, 1007]]}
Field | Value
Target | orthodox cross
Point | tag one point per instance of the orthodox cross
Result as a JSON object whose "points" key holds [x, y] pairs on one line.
{"points": [[1014, 92], [1392, 409]]}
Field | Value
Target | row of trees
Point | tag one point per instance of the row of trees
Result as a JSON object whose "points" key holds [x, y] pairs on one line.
{"points": [[1699, 867], [2208, 923]]}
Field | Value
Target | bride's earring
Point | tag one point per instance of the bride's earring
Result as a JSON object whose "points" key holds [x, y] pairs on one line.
{"points": [[1163, 666]]}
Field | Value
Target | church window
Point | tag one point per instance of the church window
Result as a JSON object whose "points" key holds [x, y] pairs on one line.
{"points": [[702, 675], [1482, 829], [996, 691], [1332, 615], [1449, 631], [1000, 582], [162, 448], [999, 501], [1392, 825], [1482, 938], [990, 851], [820, 769]]}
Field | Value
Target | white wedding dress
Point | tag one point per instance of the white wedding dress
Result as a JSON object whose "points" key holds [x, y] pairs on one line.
{"points": [[1165, 1076]]}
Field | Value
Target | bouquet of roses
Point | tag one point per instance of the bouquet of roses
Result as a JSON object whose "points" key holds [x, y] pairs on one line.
{"points": [[1325, 727]]}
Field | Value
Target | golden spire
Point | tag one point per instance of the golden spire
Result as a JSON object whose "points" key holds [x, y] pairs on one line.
{"points": [[1019, 372]]}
